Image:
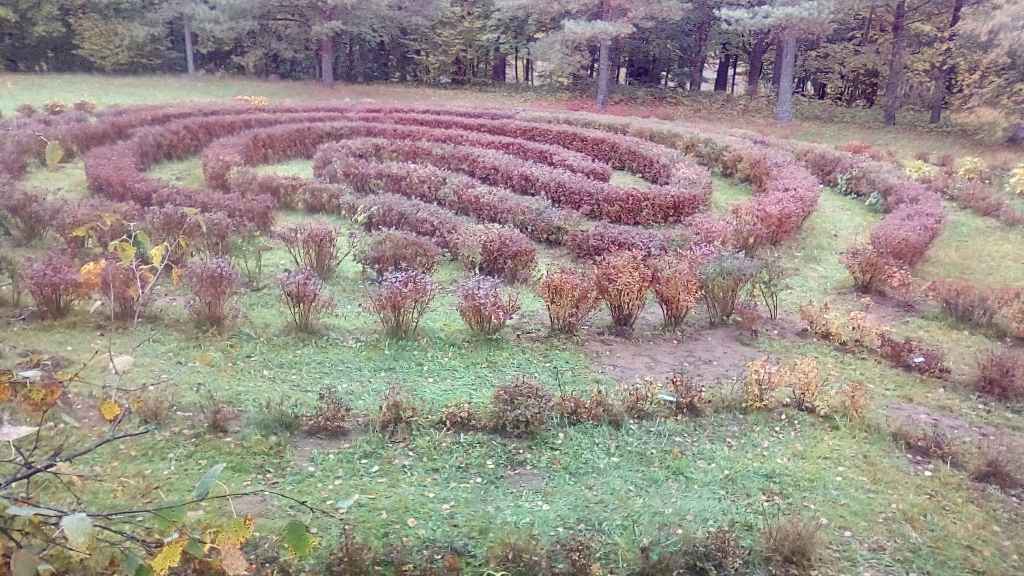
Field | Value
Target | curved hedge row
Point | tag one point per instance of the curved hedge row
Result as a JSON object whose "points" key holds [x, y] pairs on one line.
{"points": [[618, 204]]}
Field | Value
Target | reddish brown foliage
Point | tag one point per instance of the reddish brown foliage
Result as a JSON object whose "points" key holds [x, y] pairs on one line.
{"points": [[212, 281], [483, 307], [570, 295], [305, 298], [623, 279], [394, 250], [400, 301]]}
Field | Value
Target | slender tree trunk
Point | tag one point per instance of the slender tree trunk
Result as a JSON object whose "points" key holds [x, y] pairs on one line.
{"points": [[604, 66], [777, 68], [327, 61], [939, 99], [698, 58], [499, 66], [757, 52], [896, 63], [735, 65], [517, 64], [787, 49], [722, 74], [189, 52]]}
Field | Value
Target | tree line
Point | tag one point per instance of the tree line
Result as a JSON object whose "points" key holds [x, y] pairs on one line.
{"points": [[930, 54]]}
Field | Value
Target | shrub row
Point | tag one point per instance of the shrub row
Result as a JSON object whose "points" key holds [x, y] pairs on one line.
{"points": [[914, 211], [533, 216], [300, 140], [784, 194], [619, 204]]}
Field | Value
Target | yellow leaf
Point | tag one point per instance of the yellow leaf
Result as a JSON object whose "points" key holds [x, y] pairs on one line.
{"points": [[168, 557], [109, 409], [156, 255], [177, 275]]}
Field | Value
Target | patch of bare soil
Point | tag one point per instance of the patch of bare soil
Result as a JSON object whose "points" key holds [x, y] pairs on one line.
{"points": [[252, 504], [303, 445], [524, 479], [921, 417], [715, 354]]}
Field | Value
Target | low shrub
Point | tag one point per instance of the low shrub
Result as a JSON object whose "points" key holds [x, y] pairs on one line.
{"points": [[122, 285], [675, 280], [54, 282], [750, 317], [397, 413], [503, 253], [855, 400], [1000, 374], [789, 545], [305, 298], [689, 395], [213, 282], [520, 407], [868, 267], [810, 388], [25, 109], [26, 215], [84, 105], [459, 417], [913, 356], [999, 467], [400, 300], [761, 384], [717, 553], [970, 304], [623, 280], [315, 246], [394, 250], [573, 408], [247, 250], [350, 558], [570, 296], [724, 277], [483, 307], [638, 400], [331, 417], [934, 443], [519, 556]]}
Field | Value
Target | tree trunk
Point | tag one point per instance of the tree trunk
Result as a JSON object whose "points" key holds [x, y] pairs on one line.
{"points": [[327, 61], [498, 68], [757, 52], [1017, 138], [777, 68], [722, 75], [189, 53], [896, 64], [517, 64], [787, 48], [697, 59], [735, 65], [939, 99], [604, 66]]}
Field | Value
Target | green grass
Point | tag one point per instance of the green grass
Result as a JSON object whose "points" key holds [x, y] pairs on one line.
{"points": [[621, 486]]}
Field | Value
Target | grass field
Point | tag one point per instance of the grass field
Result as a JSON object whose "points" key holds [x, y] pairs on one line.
{"points": [[880, 509]]}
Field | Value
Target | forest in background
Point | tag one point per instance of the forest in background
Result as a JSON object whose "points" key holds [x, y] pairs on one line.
{"points": [[934, 55]]}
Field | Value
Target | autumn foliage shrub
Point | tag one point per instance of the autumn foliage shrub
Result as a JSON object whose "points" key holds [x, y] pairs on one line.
{"points": [[724, 277], [500, 252], [213, 281], [689, 395], [522, 406], [570, 296], [604, 238], [1000, 374], [120, 284], [971, 304], [394, 250], [332, 416], [675, 281], [397, 413], [305, 298], [483, 307], [400, 300], [54, 282], [26, 215], [314, 245], [913, 356], [623, 279]]}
